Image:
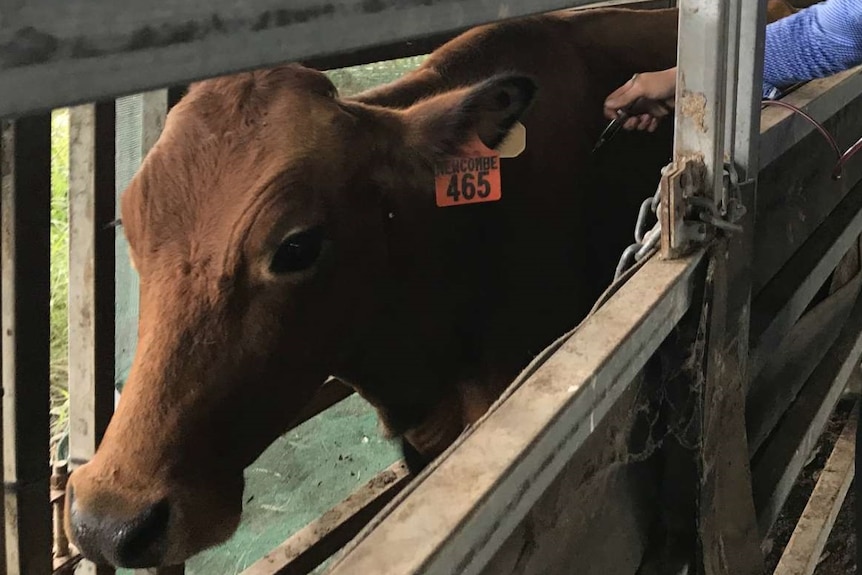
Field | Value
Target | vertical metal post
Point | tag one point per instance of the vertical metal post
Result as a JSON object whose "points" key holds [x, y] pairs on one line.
{"points": [[91, 282], [717, 121], [744, 126], [700, 91], [25, 261]]}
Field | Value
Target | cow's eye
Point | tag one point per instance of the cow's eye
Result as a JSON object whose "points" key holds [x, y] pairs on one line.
{"points": [[297, 252]]}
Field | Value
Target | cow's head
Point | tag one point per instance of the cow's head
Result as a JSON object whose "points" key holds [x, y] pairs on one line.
{"points": [[276, 230]]}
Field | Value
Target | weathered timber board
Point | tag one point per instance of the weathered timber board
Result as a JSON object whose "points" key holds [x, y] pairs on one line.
{"points": [[795, 193], [803, 552], [788, 295], [781, 457], [597, 513], [94, 49]]}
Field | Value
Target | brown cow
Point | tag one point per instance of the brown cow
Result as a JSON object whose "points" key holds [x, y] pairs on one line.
{"points": [[282, 234]]}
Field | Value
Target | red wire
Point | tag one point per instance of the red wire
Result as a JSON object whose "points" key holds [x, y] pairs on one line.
{"points": [[842, 159]]}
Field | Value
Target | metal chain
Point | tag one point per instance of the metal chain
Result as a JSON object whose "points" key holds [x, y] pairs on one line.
{"points": [[646, 239]]}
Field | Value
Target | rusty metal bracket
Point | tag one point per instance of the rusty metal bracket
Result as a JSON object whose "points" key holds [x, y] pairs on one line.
{"points": [[680, 181], [687, 214]]}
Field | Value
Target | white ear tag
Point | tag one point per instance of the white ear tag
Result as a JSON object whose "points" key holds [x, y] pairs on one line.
{"points": [[514, 143]]}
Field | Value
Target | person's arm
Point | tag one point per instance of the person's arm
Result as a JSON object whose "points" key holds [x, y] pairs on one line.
{"points": [[816, 42], [648, 96]]}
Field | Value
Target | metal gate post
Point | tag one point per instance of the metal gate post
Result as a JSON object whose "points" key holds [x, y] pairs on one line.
{"points": [[720, 53]]}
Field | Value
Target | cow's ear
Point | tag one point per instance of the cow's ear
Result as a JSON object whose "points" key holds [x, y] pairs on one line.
{"points": [[444, 124]]}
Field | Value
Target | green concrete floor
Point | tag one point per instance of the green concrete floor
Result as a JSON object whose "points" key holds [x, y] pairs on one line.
{"points": [[298, 478], [301, 475]]}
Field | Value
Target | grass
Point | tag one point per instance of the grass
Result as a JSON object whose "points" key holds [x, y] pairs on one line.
{"points": [[59, 273]]}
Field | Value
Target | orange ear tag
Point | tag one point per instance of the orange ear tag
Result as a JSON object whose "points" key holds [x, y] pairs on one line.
{"points": [[471, 178]]}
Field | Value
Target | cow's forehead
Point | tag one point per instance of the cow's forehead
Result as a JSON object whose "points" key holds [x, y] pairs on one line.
{"points": [[219, 154]]}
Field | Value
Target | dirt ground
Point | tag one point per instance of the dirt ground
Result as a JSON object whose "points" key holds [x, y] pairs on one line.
{"points": [[839, 555]]}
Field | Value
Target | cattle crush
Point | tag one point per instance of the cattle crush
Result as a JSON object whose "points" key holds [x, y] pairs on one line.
{"points": [[662, 435]]}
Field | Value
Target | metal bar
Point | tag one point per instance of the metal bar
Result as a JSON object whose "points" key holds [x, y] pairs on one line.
{"points": [[713, 74], [807, 343], [26, 203], [521, 445], [778, 464], [316, 542], [91, 283], [148, 45], [743, 126], [700, 91], [806, 544]]}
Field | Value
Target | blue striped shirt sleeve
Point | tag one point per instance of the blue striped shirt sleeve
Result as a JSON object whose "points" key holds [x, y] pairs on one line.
{"points": [[813, 43]]}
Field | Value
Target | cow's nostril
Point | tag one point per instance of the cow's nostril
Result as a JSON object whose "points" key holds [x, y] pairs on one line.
{"points": [[137, 544], [141, 541]]}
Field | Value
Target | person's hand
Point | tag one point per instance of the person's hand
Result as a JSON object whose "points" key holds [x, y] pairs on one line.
{"points": [[647, 97]]}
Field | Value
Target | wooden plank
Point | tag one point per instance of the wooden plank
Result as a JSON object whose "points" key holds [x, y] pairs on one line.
{"points": [[598, 513], [806, 544], [806, 344], [785, 298], [91, 283], [25, 259], [796, 192], [778, 463], [98, 49], [456, 515], [6, 179], [427, 44], [821, 99], [316, 542], [91, 277]]}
